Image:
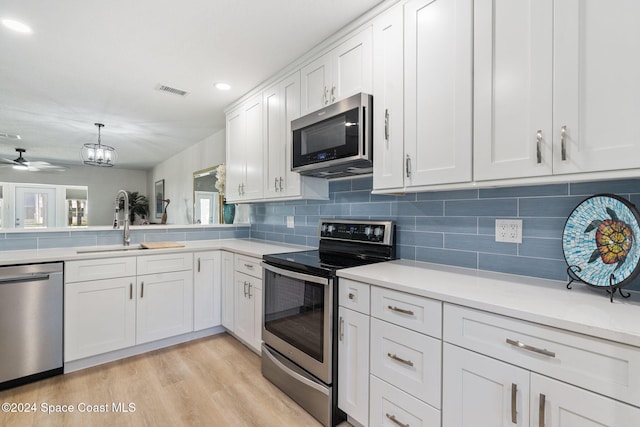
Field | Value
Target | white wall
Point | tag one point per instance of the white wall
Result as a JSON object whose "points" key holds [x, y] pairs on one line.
{"points": [[177, 173], [103, 185]]}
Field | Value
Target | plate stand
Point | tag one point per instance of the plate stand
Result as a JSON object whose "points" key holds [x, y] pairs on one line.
{"points": [[611, 289]]}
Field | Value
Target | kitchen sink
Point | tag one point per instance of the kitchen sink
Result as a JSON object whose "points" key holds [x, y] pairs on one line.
{"points": [[110, 249]]}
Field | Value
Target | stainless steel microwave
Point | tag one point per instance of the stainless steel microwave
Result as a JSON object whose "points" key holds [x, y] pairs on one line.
{"points": [[336, 140]]}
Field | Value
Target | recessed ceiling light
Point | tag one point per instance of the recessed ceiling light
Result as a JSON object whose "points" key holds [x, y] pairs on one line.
{"points": [[223, 86], [17, 26]]}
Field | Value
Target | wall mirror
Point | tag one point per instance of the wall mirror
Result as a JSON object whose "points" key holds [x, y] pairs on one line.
{"points": [[207, 203]]}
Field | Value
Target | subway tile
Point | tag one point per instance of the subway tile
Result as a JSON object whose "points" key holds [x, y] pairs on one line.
{"points": [[340, 185], [451, 224], [353, 197], [307, 210], [109, 239], [422, 208], [476, 243], [548, 206], [403, 223], [284, 210], [258, 235], [337, 210], [66, 242], [541, 248], [448, 257], [531, 227], [449, 195], [526, 266], [203, 235], [484, 207], [167, 237], [623, 186], [406, 252], [18, 244], [306, 230], [364, 183], [365, 210], [525, 191], [295, 240], [275, 237], [417, 238]]}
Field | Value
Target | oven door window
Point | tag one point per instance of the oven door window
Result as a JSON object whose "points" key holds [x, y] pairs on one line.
{"points": [[294, 311]]}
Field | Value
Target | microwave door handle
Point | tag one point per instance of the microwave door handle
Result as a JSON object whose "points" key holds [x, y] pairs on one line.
{"points": [[295, 275]]}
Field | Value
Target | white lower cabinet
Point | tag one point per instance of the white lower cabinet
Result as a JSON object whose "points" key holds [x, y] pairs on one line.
{"points": [[228, 294], [248, 301], [390, 406], [207, 280], [100, 316], [110, 308]]}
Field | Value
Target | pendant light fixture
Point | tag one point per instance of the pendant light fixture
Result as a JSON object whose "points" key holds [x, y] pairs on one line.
{"points": [[98, 154]]}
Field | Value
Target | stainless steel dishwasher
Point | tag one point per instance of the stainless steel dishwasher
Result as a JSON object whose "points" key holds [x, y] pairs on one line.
{"points": [[30, 323]]}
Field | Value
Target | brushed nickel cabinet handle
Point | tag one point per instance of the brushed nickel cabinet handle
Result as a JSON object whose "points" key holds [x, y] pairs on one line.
{"points": [[326, 95], [539, 147], [141, 289], [281, 186], [514, 412], [523, 346], [563, 142], [400, 310], [198, 265], [275, 184], [245, 289], [352, 296], [399, 359], [386, 124], [341, 329], [543, 399], [333, 93], [408, 166], [130, 290], [248, 265], [394, 420], [250, 294]]}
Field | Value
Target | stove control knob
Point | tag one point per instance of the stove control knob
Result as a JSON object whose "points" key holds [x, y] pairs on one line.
{"points": [[367, 231], [323, 228], [378, 232], [330, 228]]}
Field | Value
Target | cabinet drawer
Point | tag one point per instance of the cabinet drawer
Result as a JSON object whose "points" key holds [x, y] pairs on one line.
{"points": [[606, 367], [96, 269], [248, 265], [420, 314], [392, 407], [354, 295], [407, 360], [165, 263]]}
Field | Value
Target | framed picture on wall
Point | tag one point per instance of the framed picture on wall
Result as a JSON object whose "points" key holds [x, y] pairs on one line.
{"points": [[159, 197]]}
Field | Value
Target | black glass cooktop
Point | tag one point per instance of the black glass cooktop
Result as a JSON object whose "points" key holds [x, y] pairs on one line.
{"points": [[316, 262]]}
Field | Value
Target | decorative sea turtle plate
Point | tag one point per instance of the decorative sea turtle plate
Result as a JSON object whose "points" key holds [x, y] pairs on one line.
{"points": [[601, 241]]}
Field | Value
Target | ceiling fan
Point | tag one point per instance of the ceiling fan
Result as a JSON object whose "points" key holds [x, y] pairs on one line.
{"points": [[23, 164]]}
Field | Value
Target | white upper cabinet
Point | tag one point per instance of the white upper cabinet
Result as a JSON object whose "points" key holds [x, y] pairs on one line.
{"points": [[556, 87], [281, 103], [596, 85], [245, 152], [342, 72], [513, 69], [438, 91], [388, 98]]}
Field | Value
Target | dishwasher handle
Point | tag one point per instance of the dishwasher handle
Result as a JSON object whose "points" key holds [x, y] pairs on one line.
{"points": [[19, 279]]}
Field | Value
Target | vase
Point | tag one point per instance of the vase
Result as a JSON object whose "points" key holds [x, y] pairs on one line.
{"points": [[228, 213]]}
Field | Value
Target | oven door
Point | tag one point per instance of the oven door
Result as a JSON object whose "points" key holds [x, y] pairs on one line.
{"points": [[298, 318]]}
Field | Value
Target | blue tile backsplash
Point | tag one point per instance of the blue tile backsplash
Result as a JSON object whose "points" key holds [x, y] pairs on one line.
{"points": [[451, 227]]}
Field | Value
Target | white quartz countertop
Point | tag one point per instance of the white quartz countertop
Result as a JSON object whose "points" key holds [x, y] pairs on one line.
{"points": [[581, 309], [250, 247]]}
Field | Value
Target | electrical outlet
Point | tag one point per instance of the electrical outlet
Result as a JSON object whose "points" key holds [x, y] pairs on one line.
{"points": [[509, 230], [290, 222]]}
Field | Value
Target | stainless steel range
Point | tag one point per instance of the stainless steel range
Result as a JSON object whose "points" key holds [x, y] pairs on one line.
{"points": [[300, 291]]}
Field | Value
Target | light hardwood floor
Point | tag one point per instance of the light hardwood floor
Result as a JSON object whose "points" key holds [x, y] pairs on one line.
{"points": [[214, 381]]}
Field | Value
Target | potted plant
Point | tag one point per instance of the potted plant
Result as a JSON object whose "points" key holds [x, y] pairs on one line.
{"points": [[138, 205]]}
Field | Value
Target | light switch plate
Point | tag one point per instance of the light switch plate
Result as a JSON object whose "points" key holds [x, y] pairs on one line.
{"points": [[509, 230], [290, 222]]}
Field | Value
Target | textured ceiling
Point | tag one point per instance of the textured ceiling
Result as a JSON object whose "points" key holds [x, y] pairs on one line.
{"points": [[93, 61]]}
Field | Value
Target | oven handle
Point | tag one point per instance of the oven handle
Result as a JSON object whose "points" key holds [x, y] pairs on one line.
{"points": [[295, 275]]}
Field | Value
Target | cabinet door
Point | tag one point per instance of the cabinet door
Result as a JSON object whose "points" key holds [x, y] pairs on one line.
{"points": [[206, 290], [559, 404], [388, 124], [274, 141], [353, 364], [438, 91], [352, 67], [228, 294], [253, 149], [513, 52], [290, 95], [478, 390], [236, 165], [164, 305], [596, 87], [255, 294], [315, 79], [99, 316], [244, 320]]}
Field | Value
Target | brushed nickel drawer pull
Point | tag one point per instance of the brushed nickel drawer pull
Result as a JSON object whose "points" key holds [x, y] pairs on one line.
{"points": [[141, 289], [130, 290], [198, 264], [250, 295], [352, 296], [386, 125], [395, 420], [539, 147], [400, 310], [399, 359], [523, 346], [248, 265], [543, 399], [341, 329], [563, 143], [514, 413]]}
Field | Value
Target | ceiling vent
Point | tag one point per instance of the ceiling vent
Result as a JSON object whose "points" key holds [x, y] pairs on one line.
{"points": [[172, 90], [9, 136]]}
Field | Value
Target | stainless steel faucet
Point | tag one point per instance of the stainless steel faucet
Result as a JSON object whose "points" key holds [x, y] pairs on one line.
{"points": [[125, 237]]}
